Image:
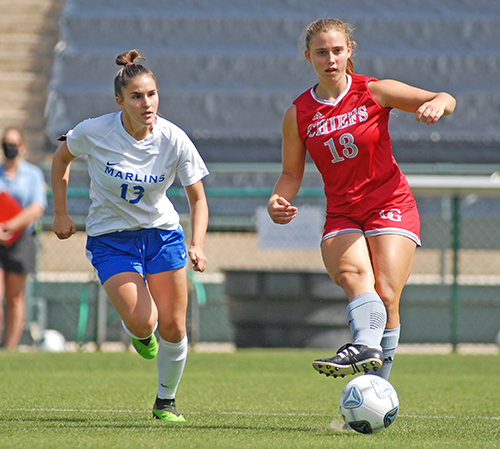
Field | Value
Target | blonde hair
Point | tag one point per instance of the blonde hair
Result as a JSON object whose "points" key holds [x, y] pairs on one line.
{"points": [[325, 25]]}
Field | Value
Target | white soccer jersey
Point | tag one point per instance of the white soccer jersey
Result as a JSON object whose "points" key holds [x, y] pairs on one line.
{"points": [[129, 178]]}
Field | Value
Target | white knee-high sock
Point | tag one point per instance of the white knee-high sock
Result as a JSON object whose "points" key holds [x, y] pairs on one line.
{"points": [[127, 330], [390, 341], [367, 318], [170, 362]]}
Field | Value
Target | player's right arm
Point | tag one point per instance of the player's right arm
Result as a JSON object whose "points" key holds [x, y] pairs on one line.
{"points": [[294, 160], [63, 226]]}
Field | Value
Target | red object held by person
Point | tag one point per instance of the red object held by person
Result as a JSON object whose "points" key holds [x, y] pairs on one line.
{"points": [[9, 207]]}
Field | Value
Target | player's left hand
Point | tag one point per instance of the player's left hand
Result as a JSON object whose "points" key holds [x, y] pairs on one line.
{"points": [[198, 258], [430, 111]]}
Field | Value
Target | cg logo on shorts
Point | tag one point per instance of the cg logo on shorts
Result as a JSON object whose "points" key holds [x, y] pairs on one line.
{"points": [[393, 215]]}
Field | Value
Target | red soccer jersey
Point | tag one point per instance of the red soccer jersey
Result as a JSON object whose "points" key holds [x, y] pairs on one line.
{"points": [[349, 142]]}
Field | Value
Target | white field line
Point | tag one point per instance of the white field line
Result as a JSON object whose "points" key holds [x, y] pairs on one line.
{"points": [[234, 413]]}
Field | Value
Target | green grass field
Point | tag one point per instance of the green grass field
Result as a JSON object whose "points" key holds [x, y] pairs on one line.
{"points": [[248, 399]]}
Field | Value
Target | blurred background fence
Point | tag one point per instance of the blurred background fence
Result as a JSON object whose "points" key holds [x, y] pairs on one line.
{"points": [[266, 285]]}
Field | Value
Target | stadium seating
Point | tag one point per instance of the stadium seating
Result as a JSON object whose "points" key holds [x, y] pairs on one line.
{"points": [[28, 33], [227, 70]]}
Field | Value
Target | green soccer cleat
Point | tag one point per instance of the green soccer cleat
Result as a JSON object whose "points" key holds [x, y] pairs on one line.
{"points": [[149, 350], [165, 410]]}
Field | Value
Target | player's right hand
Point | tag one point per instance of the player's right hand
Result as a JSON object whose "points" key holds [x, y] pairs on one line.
{"points": [[280, 210], [63, 226]]}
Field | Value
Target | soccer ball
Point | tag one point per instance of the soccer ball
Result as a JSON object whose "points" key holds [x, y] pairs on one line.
{"points": [[369, 404], [52, 341]]}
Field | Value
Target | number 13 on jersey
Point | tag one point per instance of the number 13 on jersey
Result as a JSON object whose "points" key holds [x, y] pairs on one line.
{"points": [[138, 193], [349, 149]]}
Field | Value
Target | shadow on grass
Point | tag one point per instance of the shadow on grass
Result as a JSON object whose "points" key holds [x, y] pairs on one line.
{"points": [[33, 422]]}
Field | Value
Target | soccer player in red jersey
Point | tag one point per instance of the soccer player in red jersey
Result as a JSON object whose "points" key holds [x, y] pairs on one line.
{"points": [[372, 223]]}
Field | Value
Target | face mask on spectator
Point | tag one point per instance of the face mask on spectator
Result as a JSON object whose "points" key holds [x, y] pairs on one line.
{"points": [[10, 150]]}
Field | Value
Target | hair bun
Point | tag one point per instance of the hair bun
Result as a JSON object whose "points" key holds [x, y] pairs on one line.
{"points": [[128, 58]]}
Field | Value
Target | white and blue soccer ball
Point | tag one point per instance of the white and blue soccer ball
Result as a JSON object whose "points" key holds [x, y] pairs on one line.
{"points": [[369, 404]]}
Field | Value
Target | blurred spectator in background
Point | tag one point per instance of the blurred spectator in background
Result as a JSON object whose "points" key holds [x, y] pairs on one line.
{"points": [[23, 201]]}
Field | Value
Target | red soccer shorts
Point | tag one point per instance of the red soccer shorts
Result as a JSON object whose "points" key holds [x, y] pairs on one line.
{"points": [[394, 219]]}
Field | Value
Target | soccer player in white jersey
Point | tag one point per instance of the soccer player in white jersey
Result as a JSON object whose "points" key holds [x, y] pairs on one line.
{"points": [[135, 241]]}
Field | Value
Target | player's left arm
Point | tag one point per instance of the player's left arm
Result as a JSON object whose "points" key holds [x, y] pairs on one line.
{"points": [[428, 106], [199, 222]]}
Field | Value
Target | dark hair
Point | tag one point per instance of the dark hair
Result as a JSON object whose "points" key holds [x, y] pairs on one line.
{"points": [[325, 25], [129, 71]]}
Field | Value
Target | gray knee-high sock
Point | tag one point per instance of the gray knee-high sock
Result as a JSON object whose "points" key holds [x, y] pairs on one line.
{"points": [[389, 343], [367, 318], [170, 362]]}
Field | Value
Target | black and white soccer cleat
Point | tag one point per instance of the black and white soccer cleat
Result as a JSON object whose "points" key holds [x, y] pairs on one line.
{"points": [[350, 359]]}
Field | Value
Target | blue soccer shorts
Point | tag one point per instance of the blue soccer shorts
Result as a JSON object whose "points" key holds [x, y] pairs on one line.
{"points": [[145, 251]]}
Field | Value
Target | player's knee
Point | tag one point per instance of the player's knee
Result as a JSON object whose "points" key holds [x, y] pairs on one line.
{"points": [[353, 279], [172, 331], [173, 336]]}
